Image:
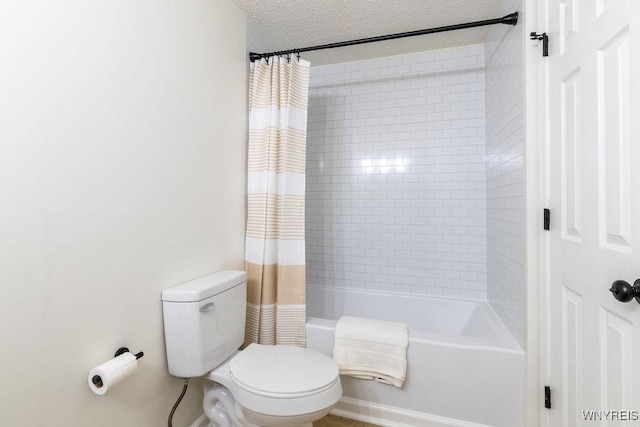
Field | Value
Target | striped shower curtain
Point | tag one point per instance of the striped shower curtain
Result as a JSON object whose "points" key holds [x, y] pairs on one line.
{"points": [[275, 247]]}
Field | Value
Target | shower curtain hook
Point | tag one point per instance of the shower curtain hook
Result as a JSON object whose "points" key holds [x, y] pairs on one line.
{"points": [[298, 55]]}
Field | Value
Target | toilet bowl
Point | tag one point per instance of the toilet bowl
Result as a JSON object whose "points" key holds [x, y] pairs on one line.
{"points": [[260, 386], [274, 386]]}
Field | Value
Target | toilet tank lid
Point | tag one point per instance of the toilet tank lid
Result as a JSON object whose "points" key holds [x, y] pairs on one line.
{"points": [[204, 287]]}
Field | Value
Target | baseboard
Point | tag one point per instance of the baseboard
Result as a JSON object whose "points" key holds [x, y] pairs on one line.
{"points": [[389, 416], [382, 415]]}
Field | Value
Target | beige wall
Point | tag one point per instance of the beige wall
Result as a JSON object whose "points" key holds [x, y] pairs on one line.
{"points": [[122, 128]]}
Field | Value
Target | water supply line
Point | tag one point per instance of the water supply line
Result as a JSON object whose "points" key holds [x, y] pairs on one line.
{"points": [[175, 406]]}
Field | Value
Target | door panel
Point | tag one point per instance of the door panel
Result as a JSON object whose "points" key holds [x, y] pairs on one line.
{"points": [[614, 143]]}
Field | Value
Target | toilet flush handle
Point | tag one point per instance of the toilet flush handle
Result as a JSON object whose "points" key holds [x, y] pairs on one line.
{"points": [[208, 307]]}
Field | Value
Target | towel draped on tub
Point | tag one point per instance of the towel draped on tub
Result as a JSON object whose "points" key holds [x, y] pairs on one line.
{"points": [[372, 349]]}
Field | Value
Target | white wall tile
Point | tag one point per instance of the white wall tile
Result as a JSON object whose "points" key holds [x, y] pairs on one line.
{"points": [[412, 179], [505, 135]]}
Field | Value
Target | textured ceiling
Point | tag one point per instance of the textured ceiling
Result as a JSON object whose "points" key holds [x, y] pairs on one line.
{"points": [[289, 24]]}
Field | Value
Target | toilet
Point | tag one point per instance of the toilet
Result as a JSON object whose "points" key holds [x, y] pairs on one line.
{"points": [[260, 386]]}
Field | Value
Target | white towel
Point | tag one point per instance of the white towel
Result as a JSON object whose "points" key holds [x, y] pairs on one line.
{"points": [[372, 349]]}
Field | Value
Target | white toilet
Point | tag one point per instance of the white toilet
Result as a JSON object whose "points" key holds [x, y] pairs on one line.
{"points": [[261, 386]]}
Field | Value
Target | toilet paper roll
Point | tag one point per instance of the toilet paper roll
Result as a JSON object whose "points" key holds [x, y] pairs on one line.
{"points": [[112, 372]]}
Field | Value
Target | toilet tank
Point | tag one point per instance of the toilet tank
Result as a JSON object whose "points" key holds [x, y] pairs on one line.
{"points": [[204, 322]]}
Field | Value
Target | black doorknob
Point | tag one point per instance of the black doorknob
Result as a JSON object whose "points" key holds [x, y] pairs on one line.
{"points": [[624, 292]]}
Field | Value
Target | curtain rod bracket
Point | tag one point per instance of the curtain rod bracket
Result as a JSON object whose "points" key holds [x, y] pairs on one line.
{"points": [[510, 19]]}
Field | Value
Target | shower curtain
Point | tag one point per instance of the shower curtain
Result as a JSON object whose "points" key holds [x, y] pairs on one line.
{"points": [[275, 246]]}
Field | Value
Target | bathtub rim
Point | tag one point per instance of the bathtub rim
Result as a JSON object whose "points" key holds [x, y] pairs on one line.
{"points": [[503, 341], [421, 337]]}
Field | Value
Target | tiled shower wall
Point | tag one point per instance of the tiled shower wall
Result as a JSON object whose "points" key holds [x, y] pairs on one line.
{"points": [[396, 174], [505, 171]]}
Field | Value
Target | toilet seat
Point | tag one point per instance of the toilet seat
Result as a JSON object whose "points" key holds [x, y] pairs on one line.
{"points": [[284, 380]]}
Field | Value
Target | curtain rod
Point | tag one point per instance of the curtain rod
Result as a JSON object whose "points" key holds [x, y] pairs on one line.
{"points": [[511, 19]]}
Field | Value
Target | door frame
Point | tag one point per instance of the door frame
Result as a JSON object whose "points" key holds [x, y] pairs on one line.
{"points": [[536, 267]]}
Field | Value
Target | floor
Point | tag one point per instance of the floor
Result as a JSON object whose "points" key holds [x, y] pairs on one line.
{"points": [[333, 421]]}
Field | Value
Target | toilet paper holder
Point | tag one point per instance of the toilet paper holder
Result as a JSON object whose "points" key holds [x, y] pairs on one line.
{"points": [[97, 380], [123, 350]]}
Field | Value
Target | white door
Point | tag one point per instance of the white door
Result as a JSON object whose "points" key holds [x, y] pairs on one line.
{"points": [[591, 342]]}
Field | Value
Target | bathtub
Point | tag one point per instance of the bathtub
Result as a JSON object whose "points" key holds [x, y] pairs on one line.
{"points": [[464, 368]]}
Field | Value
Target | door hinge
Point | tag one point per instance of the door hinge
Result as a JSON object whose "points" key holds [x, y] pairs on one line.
{"points": [[545, 41], [546, 219], [547, 397]]}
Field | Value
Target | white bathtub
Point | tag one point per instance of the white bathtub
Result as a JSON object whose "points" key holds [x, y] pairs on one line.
{"points": [[464, 368]]}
